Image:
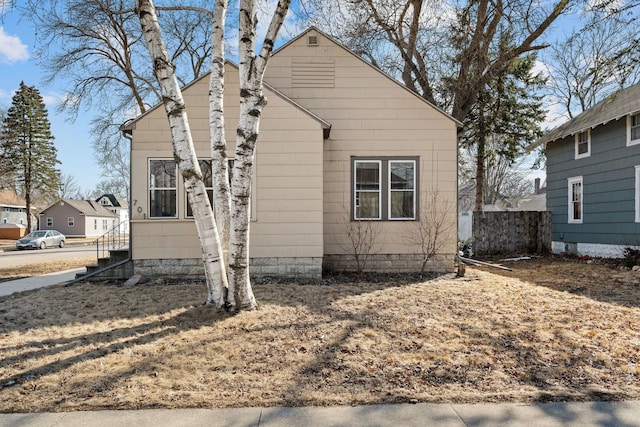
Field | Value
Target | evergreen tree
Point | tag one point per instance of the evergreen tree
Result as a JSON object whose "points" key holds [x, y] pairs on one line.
{"points": [[505, 119], [27, 151]]}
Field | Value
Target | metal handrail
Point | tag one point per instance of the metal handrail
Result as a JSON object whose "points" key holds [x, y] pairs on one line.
{"points": [[113, 239]]}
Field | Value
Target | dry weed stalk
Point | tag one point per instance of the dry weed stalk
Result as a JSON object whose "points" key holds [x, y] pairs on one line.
{"points": [[362, 236], [432, 229]]}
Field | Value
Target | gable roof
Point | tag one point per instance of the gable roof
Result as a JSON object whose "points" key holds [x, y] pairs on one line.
{"points": [[9, 198], [400, 84], [129, 125], [115, 200], [614, 107], [85, 207]]}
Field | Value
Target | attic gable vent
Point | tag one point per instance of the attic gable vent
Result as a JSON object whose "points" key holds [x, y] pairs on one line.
{"points": [[312, 41]]}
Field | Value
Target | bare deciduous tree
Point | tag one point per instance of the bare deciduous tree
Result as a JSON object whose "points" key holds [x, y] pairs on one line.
{"points": [[594, 61], [433, 229], [362, 237], [95, 48], [233, 291]]}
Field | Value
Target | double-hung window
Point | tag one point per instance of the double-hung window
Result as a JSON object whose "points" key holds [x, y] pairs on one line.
{"points": [[207, 177], [583, 144], [575, 200], [368, 189], [633, 129], [384, 189], [402, 189], [162, 188]]}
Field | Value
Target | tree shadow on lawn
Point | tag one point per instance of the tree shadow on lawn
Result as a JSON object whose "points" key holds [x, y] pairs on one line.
{"points": [[478, 358], [103, 319], [599, 280], [360, 343]]}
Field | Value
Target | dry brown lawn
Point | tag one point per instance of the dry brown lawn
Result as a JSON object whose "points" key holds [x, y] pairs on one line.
{"points": [[552, 329], [28, 270]]}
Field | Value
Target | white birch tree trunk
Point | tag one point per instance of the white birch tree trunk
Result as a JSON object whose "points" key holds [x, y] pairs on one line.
{"points": [[252, 101], [219, 159], [184, 153]]}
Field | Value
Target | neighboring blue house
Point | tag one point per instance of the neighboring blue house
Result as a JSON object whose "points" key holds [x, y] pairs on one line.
{"points": [[593, 178]]}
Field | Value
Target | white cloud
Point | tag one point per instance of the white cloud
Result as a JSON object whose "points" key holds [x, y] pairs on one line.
{"points": [[11, 48]]}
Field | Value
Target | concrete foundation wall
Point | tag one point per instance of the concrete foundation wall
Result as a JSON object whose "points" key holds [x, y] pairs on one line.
{"points": [[390, 263], [191, 268]]}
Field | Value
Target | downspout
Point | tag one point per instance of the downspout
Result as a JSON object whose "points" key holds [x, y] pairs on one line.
{"points": [[127, 134]]}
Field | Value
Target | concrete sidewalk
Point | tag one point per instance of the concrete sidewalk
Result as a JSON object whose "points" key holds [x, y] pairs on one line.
{"points": [[34, 282], [583, 414]]}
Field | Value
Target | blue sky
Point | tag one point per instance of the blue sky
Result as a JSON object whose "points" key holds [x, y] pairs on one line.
{"points": [[72, 138], [17, 64]]}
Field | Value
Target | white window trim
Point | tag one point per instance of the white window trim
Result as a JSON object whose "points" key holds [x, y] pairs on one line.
{"points": [[389, 190], [629, 122], [49, 221], [161, 188], [588, 153], [637, 193], [186, 196], [355, 191], [71, 221], [570, 182]]}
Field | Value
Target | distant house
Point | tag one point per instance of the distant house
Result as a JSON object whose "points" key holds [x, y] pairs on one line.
{"points": [[13, 208], [119, 207], [78, 218], [341, 145], [593, 177], [13, 215]]}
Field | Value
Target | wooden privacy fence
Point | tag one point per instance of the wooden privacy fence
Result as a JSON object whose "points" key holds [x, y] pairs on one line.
{"points": [[511, 233]]}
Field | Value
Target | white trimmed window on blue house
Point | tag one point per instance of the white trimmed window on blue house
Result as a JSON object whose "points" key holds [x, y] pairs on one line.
{"points": [[633, 129], [583, 144], [575, 200]]}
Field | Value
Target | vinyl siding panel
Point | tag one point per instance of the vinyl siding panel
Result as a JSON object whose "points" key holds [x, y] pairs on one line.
{"points": [[287, 189], [371, 115]]}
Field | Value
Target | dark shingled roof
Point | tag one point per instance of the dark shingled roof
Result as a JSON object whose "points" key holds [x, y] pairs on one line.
{"points": [[614, 107]]}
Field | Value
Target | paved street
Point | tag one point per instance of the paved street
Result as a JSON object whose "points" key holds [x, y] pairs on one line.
{"points": [[14, 258]]}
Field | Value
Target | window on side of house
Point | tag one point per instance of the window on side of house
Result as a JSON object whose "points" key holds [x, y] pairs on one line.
{"points": [[402, 189], [633, 129], [207, 177], [575, 200], [367, 182], [49, 221], [162, 189], [71, 221], [95, 224], [583, 144], [384, 189]]}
